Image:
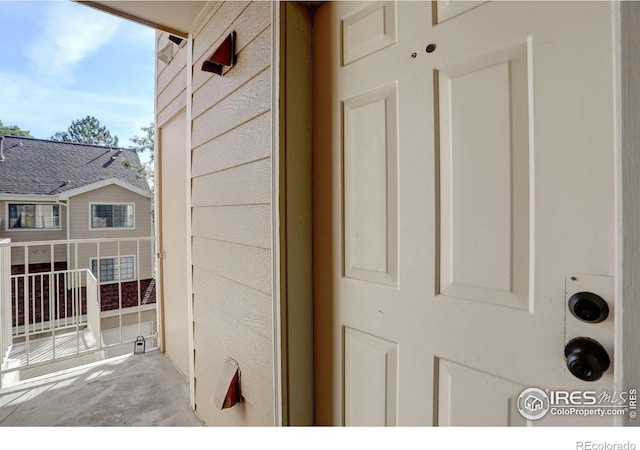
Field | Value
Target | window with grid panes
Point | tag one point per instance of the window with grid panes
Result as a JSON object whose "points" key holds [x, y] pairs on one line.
{"points": [[33, 216], [109, 272], [111, 216]]}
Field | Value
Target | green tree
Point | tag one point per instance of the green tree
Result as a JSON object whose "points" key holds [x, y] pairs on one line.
{"points": [[13, 130], [142, 144], [146, 142], [87, 131]]}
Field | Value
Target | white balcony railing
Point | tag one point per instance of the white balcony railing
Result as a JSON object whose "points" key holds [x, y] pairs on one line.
{"points": [[49, 301], [54, 308]]}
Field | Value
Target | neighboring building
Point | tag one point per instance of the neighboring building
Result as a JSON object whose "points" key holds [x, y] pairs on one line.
{"points": [[51, 190]]}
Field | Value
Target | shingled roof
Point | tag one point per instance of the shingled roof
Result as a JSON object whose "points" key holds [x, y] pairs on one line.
{"points": [[42, 167]]}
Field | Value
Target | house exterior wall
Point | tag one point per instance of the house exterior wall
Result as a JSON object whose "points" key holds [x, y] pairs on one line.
{"points": [[39, 254], [231, 207], [79, 218]]}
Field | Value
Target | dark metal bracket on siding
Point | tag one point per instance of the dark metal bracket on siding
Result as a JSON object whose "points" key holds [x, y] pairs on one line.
{"points": [[225, 55]]}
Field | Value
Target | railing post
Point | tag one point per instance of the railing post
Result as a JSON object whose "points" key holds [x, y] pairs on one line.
{"points": [[26, 300], [6, 336], [138, 285], [119, 265], [93, 308]]}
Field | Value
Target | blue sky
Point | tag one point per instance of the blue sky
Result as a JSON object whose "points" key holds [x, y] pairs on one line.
{"points": [[61, 61]]}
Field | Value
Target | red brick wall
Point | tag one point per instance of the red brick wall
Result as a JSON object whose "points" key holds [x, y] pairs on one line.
{"points": [[39, 310], [18, 269], [109, 294]]}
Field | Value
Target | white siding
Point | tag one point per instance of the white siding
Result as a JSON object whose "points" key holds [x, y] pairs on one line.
{"points": [[171, 82], [231, 214]]}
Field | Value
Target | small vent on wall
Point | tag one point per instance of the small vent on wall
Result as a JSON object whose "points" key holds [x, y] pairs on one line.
{"points": [[166, 53], [225, 55], [177, 40]]}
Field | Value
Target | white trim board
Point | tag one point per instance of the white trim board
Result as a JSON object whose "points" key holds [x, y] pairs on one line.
{"points": [[104, 183]]}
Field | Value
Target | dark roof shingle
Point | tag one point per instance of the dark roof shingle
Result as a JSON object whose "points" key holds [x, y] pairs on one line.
{"points": [[42, 167]]}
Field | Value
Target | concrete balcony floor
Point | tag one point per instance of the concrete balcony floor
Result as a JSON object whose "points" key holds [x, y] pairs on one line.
{"points": [[132, 390]]}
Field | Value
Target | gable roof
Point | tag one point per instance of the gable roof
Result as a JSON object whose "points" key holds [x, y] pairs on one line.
{"points": [[43, 167]]}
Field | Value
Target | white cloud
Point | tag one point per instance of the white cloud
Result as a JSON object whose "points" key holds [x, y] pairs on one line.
{"points": [[70, 33], [44, 109]]}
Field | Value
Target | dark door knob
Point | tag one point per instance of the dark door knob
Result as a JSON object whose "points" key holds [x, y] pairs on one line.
{"points": [[588, 307], [586, 358]]}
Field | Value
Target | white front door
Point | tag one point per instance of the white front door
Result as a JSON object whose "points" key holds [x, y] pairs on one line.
{"points": [[173, 241], [463, 192]]}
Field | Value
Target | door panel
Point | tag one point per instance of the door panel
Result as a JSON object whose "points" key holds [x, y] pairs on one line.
{"points": [[371, 367], [456, 191], [368, 30], [446, 9], [483, 154], [467, 397], [370, 186]]}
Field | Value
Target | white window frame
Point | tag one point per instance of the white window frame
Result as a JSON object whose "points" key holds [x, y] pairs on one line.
{"points": [[18, 202], [97, 275], [91, 205]]}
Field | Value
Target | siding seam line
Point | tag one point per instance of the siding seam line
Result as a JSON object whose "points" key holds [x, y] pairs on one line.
{"points": [[231, 167], [235, 126], [233, 281], [231, 242], [230, 130]]}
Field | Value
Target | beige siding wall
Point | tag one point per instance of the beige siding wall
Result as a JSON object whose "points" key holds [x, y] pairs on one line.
{"points": [[79, 218], [231, 214], [171, 81], [37, 254]]}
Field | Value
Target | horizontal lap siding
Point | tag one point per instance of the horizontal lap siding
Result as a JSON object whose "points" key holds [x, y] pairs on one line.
{"points": [[245, 224], [235, 316], [171, 81], [172, 91], [248, 102], [231, 214], [242, 185], [244, 144]]}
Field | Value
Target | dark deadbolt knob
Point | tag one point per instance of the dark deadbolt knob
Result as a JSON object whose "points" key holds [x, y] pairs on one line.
{"points": [[588, 307], [586, 358]]}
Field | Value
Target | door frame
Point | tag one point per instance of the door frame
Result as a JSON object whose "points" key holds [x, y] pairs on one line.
{"points": [[160, 309], [626, 16], [292, 215], [294, 327]]}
